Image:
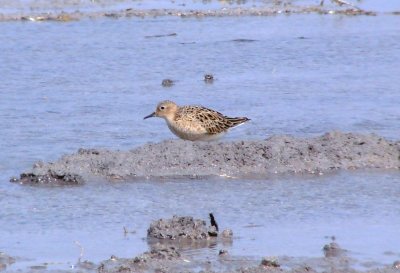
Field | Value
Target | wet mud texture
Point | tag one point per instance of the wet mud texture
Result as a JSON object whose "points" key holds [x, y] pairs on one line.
{"points": [[167, 256], [239, 159], [61, 15], [167, 259], [177, 228]]}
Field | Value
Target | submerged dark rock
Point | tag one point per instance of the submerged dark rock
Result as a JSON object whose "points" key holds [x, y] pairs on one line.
{"points": [[167, 83], [51, 178], [208, 78], [177, 158]]}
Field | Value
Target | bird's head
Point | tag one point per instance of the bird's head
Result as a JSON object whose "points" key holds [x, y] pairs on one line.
{"points": [[165, 109]]}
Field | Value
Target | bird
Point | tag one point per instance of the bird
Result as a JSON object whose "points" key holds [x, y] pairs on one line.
{"points": [[194, 122]]}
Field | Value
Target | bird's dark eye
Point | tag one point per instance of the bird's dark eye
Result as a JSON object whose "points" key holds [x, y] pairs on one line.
{"points": [[162, 107]]}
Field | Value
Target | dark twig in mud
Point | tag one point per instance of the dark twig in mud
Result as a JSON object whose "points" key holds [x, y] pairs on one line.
{"points": [[213, 221]]}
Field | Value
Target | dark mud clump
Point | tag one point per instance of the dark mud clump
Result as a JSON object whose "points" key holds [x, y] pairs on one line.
{"points": [[270, 262], [166, 237], [167, 83], [208, 78], [333, 250], [51, 178], [181, 159], [159, 252], [160, 258], [180, 228]]}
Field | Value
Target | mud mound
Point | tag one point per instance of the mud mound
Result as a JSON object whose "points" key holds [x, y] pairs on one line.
{"points": [[275, 155], [158, 252], [180, 228], [159, 257]]}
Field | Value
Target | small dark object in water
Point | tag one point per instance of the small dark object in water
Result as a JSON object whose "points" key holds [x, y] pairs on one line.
{"points": [[208, 78], [13, 179], [270, 262], [51, 178], [332, 250], [167, 83], [83, 151], [161, 35], [222, 252], [241, 40], [213, 222]]}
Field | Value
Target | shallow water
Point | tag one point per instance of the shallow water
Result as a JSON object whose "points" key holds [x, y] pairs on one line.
{"points": [[90, 83], [281, 216]]}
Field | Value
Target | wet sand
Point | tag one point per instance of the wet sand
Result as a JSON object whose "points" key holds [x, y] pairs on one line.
{"points": [[163, 258], [176, 158]]}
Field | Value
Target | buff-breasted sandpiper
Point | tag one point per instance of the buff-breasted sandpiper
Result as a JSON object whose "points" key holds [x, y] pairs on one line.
{"points": [[195, 122]]}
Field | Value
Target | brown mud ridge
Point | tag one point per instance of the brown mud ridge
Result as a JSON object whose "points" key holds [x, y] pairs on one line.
{"points": [[239, 159], [64, 16]]}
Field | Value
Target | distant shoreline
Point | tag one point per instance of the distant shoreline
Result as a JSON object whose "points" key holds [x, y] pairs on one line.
{"points": [[64, 15]]}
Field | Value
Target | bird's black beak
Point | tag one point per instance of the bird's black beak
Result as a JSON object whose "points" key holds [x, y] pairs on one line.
{"points": [[151, 115]]}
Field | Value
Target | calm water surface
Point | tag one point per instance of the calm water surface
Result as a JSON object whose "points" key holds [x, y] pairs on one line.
{"points": [[90, 83], [286, 216]]}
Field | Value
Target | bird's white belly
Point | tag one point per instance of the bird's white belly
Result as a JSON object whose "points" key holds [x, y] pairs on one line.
{"points": [[193, 134]]}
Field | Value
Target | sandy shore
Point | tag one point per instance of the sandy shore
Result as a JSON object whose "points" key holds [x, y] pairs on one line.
{"points": [[66, 14], [240, 159]]}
